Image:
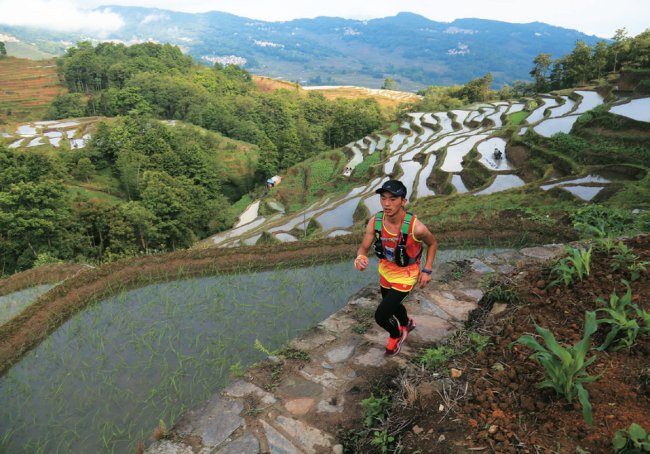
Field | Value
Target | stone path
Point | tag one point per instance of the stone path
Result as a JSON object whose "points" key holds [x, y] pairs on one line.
{"points": [[337, 355]]}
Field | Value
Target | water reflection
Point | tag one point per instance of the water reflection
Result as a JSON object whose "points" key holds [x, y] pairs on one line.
{"points": [[501, 183], [552, 126]]}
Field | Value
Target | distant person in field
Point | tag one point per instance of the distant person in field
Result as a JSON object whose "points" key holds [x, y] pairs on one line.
{"points": [[497, 153], [397, 237]]}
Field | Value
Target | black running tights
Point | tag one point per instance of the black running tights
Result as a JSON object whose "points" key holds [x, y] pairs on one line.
{"points": [[390, 309]]}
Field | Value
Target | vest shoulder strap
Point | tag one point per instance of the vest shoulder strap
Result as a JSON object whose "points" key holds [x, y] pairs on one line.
{"points": [[378, 218], [406, 225]]}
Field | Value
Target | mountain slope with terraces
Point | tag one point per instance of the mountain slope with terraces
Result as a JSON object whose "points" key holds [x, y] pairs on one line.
{"points": [[27, 86]]}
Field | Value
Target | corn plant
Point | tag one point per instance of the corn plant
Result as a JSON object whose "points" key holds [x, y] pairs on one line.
{"points": [[637, 440], [565, 367], [604, 240], [624, 254], [619, 311], [580, 261], [565, 272], [636, 268]]}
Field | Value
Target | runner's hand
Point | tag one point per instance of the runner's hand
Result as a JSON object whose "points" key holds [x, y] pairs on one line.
{"points": [[361, 263], [424, 279]]}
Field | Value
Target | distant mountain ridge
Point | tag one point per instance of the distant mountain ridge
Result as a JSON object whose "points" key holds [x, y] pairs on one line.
{"points": [[332, 50]]}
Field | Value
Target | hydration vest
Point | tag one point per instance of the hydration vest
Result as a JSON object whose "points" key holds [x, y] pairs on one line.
{"points": [[402, 259]]}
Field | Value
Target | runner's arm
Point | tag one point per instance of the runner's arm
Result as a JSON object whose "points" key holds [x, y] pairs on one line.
{"points": [[362, 263], [421, 233]]}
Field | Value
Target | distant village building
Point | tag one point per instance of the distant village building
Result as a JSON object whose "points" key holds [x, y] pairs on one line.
{"points": [[273, 182], [227, 60], [8, 39]]}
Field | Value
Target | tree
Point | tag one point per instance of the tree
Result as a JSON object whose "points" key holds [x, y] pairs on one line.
{"points": [[34, 208], [269, 163], [478, 89], [84, 169], [389, 84], [65, 105], [105, 228], [599, 56], [3, 49], [504, 93], [142, 221], [542, 64], [620, 45]]}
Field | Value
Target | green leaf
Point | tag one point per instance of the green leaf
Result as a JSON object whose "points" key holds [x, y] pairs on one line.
{"points": [[583, 396], [529, 341], [619, 441], [637, 432], [553, 346]]}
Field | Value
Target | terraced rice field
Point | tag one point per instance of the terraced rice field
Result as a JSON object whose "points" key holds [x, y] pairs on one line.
{"points": [[27, 86], [425, 143]]}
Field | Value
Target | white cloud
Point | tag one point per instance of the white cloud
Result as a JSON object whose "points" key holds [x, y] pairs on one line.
{"points": [[59, 15], [154, 17]]}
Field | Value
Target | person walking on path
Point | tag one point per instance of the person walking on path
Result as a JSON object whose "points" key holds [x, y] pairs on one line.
{"points": [[398, 237]]}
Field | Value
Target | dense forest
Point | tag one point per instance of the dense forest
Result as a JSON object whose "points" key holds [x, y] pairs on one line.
{"points": [[158, 81]]}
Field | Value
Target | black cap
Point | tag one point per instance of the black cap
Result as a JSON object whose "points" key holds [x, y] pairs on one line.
{"points": [[395, 187]]}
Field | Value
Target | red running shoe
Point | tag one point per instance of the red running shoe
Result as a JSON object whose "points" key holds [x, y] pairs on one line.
{"points": [[394, 345], [411, 325]]}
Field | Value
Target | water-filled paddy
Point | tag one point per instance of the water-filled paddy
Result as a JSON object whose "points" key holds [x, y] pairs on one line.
{"points": [[249, 215], [443, 143], [518, 107], [238, 231], [564, 108], [590, 99], [410, 169], [35, 142], [334, 233], [455, 153], [397, 141], [68, 124], [422, 188], [552, 126], [12, 304], [26, 131], [457, 181], [341, 216], [596, 176], [277, 206], [285, 237], [108, 376], [390, 165], [584, 192], [637, 109], [252, 240], [538, 113], [445, 123], [501, 183], [487, 154]]}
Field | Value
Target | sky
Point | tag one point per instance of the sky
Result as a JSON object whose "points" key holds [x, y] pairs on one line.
{"points": [[593, 17]]}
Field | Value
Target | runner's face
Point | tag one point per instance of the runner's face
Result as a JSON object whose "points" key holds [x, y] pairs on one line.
{"points": [[391, 204]]}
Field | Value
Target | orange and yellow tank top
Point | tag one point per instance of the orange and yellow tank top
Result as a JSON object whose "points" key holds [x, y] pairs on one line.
{"points": [[388, 269]]}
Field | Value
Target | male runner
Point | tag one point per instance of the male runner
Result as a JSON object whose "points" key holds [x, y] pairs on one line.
{"points": [[398, 238]]}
